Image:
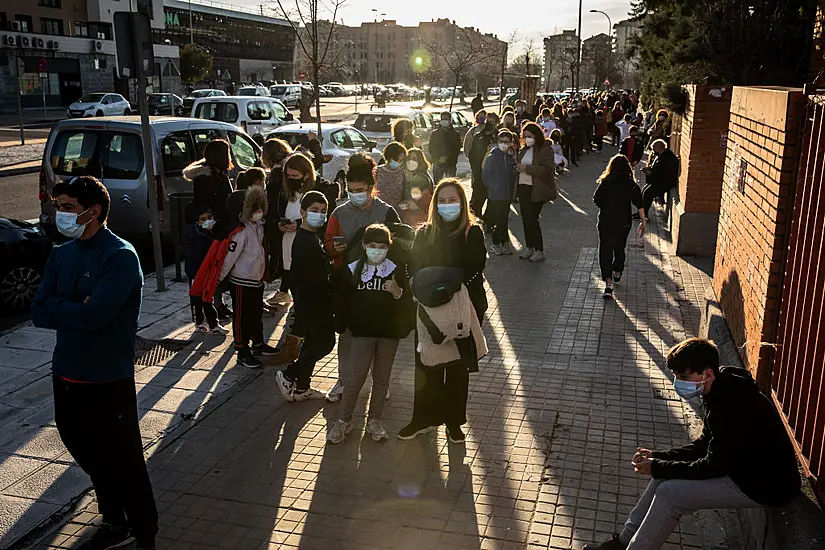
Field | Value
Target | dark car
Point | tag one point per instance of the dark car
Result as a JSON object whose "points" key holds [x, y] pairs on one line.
{"points": [[24, 249], [165, 104]]}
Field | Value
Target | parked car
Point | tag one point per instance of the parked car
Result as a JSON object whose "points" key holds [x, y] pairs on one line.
{"points": [[165, 104], [376, 125], [460, 123], [289, 94], [257, 116], [24, 249], [189, 101], [111, 149], [336, 88], [338, 144], [253, 91], [99, 104]]}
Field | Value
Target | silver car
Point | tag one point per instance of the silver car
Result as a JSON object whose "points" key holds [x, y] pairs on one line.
{"points": [[111, 149], [377, 124]]}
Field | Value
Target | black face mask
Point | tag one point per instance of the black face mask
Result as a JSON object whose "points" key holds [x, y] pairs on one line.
{"points": [[294, 183]]}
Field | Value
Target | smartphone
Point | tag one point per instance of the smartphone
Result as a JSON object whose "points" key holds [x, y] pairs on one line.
{"points": [[339, 240], [286, 221]]}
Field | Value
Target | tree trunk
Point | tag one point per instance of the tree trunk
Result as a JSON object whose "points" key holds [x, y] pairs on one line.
{"points": [[455, 89]]}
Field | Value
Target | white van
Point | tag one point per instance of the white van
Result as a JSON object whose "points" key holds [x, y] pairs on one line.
{"points": [[257, 116], [290, 94]]}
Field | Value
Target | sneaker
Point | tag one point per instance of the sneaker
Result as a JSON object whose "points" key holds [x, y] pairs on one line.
{"points": [[410, 431], [338, 431], [309, 394], [496, 250], [506, 249], [248, 360], [217, 329], [608, 293], [617, 276], [225, 314], [538, 256], [336, 392], [265, 349], [613, 544], [455, 434], [376, 429], [279, 299], [108, 536], [387, 397], [285, 386], [526, 254], [203, 327]]}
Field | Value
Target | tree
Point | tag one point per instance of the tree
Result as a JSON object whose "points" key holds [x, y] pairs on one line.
{"points": [[308, 15], [195, 63], [528, 62], [728, 42], [465, 49]]}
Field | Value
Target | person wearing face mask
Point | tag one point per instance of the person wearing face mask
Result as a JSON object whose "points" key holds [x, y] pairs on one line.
{"points": [[370, 302], [444, 148], [546, 121], [243, 267], [522, 112], [419, 189], [390, 181], [314, 322], [536, 169], [199, 239], [361, 210], [450, 239], [660, 128], [403, 131], [483, 139], [743, 459], [499, 175], [91, 295]]}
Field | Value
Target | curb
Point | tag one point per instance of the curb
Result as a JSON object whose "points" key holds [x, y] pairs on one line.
{"points": [[19, 170]]}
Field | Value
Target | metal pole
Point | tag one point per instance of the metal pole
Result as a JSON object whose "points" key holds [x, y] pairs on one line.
{"points": [[20, 101], [578, 49], [191, 32], [148, 156]]}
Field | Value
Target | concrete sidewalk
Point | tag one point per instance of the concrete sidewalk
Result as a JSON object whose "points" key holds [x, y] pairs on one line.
{"points": [[571, 387]]}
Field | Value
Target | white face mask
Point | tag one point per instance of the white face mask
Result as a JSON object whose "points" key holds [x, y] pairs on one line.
{"points": [[257, 216], [412, 165], [376, 255], [66, 223], [208, 224], [445, 123], [529, 142], [503, 147]]}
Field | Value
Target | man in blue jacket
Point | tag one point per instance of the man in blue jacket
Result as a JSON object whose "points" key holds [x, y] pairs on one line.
{"points": [[91, 295]]}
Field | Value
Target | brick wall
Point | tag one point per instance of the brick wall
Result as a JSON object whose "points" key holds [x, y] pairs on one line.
{"points": [[760, 165]]}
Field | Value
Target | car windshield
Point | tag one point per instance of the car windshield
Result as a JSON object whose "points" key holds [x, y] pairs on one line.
{"points": [[91, 98], [374, 123], [201, 93], [278, 90]]}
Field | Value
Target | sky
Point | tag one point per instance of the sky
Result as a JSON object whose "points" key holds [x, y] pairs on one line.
{"points": [[533, 21]]}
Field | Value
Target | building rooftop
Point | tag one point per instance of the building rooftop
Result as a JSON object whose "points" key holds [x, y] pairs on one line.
{"points": [[227, 10]]}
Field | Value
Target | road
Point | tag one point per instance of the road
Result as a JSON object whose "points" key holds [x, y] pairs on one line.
{"points": [[19, 195], [12, 133]]}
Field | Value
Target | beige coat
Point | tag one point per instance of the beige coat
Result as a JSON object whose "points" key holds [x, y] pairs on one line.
{"points": [[455, 319]]}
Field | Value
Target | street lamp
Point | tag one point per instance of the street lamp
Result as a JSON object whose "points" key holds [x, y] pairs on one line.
{"points": [[610, 26]]}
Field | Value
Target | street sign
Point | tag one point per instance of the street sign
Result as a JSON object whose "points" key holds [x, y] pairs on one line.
{"points": [[133, 29], [42, 65], [606, 82], [302, 75]]}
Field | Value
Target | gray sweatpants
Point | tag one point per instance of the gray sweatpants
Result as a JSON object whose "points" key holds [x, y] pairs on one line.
{"points": [[344, 353], [664, 501], [378, 352]]}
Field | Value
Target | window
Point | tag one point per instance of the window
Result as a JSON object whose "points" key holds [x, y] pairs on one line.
{"points": [[49, 3], [340, 139], [357, 139], [81, 29], [202, 137], [175, 153], [51, 26], [123, 158], [259, 110], [279, 110], [73, 152], [224, 112], [242, 150], [25, 22], [373, 123]]}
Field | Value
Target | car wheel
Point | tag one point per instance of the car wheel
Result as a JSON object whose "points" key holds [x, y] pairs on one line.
{"points": [[18, 287]]}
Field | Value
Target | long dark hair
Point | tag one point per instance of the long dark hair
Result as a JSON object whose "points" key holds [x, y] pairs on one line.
{"points": [[536, 131], [618, 167], [216, 154]]}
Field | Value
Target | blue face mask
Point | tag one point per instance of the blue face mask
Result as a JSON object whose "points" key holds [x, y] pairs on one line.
{"points": [[316, 219], [67, 225], [687, 389], [449, 212], [358, 199], [394, 165], [376, 255]]}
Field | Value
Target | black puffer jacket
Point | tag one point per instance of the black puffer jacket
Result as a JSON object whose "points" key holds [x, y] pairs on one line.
{"points": [[211, 187], [744, 438]]}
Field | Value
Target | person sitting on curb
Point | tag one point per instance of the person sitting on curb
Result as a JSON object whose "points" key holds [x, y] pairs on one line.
{"points": [[744, 458]]}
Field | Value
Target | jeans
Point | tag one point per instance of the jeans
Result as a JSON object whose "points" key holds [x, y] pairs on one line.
{"points": [[98, 424], [248, 310], [378, 352], [318, 332], [499, 214], [443, 171], [530, 213], [665, 501], [612, 244]]}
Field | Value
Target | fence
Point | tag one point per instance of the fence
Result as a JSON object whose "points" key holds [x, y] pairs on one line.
{"points": [[797, 380]]}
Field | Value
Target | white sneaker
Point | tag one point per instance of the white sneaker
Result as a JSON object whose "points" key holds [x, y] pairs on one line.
{"points": [[218, 330], [203, 327], [376, 429], [336, 392], [387, 397], [285, 386], [496, 250], [526, 254], [308, 395], [538, 256], [338, 431]]}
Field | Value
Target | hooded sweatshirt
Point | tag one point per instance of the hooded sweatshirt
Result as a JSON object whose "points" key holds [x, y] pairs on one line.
{"points": [[744, 438], [245, 261]]}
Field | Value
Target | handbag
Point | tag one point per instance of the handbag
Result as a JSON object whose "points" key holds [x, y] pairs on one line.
{"points": [[434, 286]]}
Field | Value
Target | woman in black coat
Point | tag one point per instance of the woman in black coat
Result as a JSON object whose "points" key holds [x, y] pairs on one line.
{"points": [[210, 181], [450, 239]]}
